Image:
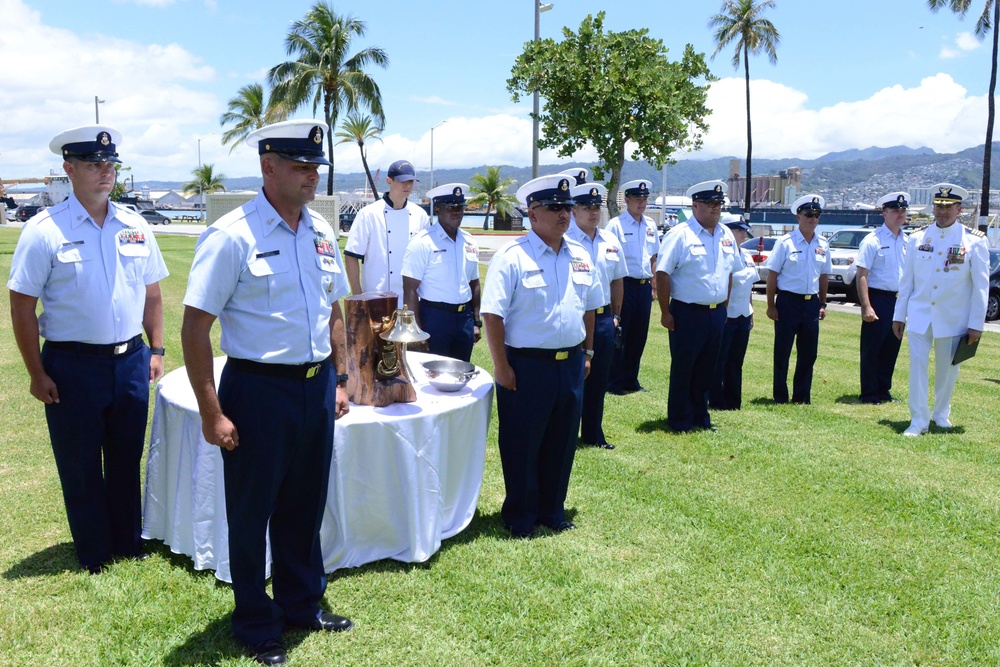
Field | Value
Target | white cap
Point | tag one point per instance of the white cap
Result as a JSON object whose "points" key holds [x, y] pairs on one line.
{"points": [[589, 194], [894, 200], [91, 143], [552, 189], [297, 140], [946, 193], [708, 191], [579, 173], [449, 193], [637, 188], [808, 202]]}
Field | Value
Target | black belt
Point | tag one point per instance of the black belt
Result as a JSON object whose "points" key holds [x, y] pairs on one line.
{"points": [[700, 306], [545, 353], [288, 371], [641, 281], [804, 297], [450, 307], [884, 292], [112, 350]]}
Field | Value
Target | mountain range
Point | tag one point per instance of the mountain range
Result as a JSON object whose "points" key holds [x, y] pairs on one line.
{"points": [[844, 177]]}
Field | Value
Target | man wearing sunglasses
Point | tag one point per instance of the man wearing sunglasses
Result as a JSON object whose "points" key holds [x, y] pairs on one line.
{"points": [[538, 307], [798, 271], [693, 279], [942, 297], [880, 266], [637, 235], [441, 277]]}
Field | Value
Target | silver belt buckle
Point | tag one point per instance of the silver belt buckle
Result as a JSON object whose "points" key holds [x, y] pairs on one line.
{"points": [[120, 348]]}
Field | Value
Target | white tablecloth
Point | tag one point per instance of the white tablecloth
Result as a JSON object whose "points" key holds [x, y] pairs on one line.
{"points": [[404, 477]]}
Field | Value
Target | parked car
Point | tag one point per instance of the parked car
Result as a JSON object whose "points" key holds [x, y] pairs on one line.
{"points": [[993, 302], [760, 248], [844, 246], [27, 211], [155, 218], [346, 220]]}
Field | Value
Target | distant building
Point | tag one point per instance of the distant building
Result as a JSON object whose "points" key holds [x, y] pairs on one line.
{"points": [[782, 188], [168, 199]]}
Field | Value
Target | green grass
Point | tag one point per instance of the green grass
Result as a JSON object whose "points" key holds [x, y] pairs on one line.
{"points": [[796, 535]]}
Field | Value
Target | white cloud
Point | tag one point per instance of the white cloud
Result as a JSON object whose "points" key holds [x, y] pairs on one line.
{"points": [[433, 99], [966, 41], [948, 53]]}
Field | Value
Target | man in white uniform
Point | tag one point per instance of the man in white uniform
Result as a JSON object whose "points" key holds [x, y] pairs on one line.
{"points": [[942, 296], [380, 233]]}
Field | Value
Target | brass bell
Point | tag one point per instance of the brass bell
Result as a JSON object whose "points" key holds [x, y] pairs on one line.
{"points": [[405, 329]]}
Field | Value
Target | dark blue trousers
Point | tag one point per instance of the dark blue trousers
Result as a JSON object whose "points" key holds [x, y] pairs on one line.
{"points": [[596, 385], [879, 349], [636, 302], [537, 438], [276, 483], [798, 323], [452, 334], [97, 431], [694, 351], [727, 388]]}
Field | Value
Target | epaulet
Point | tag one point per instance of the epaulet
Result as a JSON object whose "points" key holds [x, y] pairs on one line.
{"points": [[977, 232], [924, 227]]}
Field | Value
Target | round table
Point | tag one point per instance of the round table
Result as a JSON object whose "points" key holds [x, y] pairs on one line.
{"points": [[404, 476]]}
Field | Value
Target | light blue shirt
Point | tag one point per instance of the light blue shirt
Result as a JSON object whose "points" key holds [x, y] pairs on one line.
{"points": [[698, 262], [91, 280], [800, 264], [540, 294], [744, 276], [444, 267], [606, 253], [883, 254], [639, 240], [271, 288]]}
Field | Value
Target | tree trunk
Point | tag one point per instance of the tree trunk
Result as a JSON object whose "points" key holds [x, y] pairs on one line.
{"points": [[984, 206], [746, 70], [486, 220], [368, 173], [331, 122], [616, 180]]}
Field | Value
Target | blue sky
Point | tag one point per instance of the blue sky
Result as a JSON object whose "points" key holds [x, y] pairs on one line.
{"points": [[850, 74]]}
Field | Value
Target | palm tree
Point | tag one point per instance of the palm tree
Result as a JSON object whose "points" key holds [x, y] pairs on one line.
{"points": [[205, 181], [326, 72], [357, 129], [987, 20], [743, 22], [492, 190], [248, 112]]}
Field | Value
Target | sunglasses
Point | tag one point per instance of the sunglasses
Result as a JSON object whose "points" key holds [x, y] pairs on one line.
{"points": [[811, 214], [454, 207], [555, 208]]}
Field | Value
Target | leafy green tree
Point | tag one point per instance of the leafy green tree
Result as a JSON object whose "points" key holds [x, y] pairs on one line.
{"points": [[247, 112], [612, 89], [742, 22], [205, 181], [987, 20], [358, 128], [325, 71], [119, 191], [493, 190]]}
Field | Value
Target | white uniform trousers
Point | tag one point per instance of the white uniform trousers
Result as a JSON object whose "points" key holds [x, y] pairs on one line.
{"points": [[945, 376]]}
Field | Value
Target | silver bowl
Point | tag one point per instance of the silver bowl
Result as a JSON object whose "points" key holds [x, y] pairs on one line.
{"points": [[449, 374]]}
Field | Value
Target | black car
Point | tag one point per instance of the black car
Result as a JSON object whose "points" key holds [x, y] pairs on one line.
{"points": [[346, 220], [154, 218], [993, 301], [26, 212]]}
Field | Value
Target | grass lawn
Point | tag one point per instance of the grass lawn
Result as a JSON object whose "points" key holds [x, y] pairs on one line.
{"points": [[796, 535]]}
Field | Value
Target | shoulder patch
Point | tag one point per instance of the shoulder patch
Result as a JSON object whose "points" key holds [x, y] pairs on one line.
{"points": [[977, 232], [924, 227]]}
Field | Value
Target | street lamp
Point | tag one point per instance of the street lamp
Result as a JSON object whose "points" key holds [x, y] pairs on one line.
{"points": [[201, 181], [539, 8], [432, 149], [97, 113]]}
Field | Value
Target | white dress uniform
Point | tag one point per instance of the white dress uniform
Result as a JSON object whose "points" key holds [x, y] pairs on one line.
{"points": [[882, 253], [639, 241], [699, 263], [444, 267], [607, 256], [942, 294], [744, 277], [800, 263], [378, 238]]}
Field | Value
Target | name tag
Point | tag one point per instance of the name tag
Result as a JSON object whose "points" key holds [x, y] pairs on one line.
{"points": [[698, 250], [533, 279]]}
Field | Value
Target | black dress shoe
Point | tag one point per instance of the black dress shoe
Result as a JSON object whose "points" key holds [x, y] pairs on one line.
{"points": [[605, 445], [94, 569], [332, 623], [271, 652], [559, 527], [519, 534]]}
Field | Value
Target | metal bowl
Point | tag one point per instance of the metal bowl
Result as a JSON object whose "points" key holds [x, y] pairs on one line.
{"points": [[449, 374]]}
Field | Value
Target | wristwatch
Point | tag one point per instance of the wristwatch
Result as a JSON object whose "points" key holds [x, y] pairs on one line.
{"points": [[589, 353], [157, 350], [477, 323], [342, 379]]}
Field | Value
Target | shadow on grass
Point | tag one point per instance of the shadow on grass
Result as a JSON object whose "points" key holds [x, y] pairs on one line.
{"points": [[934, 429], [52, 560], [762, 400], [897, 426], [849, 399], [995, 380], [215, 645]]}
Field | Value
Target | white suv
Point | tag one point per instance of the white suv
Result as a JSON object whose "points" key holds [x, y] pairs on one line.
{"points": [[844, 246]]}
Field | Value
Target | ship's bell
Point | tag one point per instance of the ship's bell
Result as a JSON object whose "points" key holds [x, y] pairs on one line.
{"points": [[405, 329]]}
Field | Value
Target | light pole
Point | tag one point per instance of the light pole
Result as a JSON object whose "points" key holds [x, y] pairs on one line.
{"points": [[539, 8], [97, 113], [201, 181], [432, 150]]}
